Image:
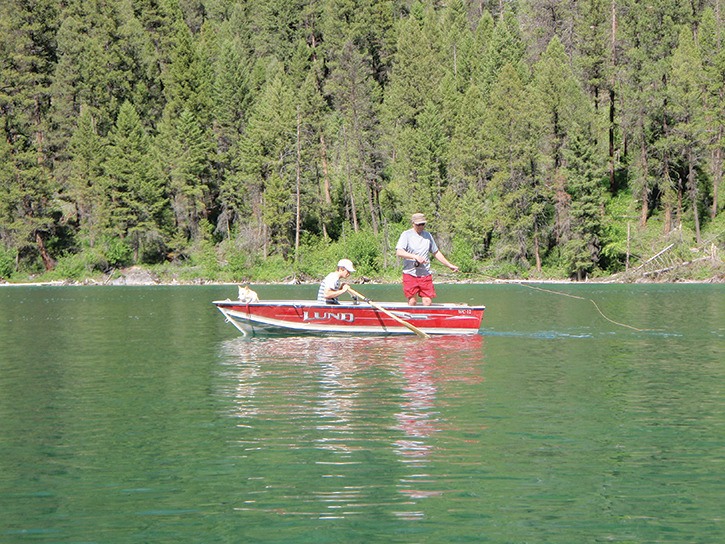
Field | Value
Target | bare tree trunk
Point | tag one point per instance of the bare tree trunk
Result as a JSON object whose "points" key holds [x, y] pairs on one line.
{"points": [[48, 261], [371, 204], [299, 174], [717, 173], [612, 96], [353, 211], [668, 218], [692, 182], [327, 203], [645, 190], [612, 180]]}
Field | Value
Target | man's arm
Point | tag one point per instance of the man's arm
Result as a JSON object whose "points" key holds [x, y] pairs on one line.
{"points": [[438, 255]]}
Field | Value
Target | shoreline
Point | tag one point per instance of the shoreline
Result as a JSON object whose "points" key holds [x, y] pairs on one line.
{"points": [[139, 276], [715, 280]]}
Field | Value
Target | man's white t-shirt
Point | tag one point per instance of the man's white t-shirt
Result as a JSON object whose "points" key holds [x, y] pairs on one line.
{"points": [[422, 245]]}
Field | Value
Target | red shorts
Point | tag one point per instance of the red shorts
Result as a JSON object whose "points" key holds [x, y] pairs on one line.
{"points": [[418, 286]]}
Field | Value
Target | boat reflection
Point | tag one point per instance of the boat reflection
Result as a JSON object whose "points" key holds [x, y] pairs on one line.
{"points": [[351, 399]]}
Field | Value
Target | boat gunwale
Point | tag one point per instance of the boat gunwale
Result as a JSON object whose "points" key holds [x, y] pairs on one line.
{"points": [[350, 305]]}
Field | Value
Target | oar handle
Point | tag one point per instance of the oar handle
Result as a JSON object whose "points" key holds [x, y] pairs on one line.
{"points": [[356, 294]]}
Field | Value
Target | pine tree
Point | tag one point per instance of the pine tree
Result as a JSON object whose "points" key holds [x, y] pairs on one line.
{"points": [[355, 95], [417, 71], [562, 104], [274, 25], [596, 45], [504, 46], [560, 98], [712, 47], [187, 82], [583, 176], [686, 138], [84, 186], [648, 36], [423, 154], [188, 153], [315, 169], [369, 25], [515, 192], [266, 151], [27, 50], [468, 153], [135, 195]]}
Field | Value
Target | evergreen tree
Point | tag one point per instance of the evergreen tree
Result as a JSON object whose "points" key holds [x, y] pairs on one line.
{"points": [[231, 95], [417, 70], [596, 46], [562, 104], [457, 42], [266, 151], [369, 25], [84, 187], [315, 169], [648, 35], [27, 56], [135, 194], [505, 46], [355, 95], [480, 47], [423, 155], [468, 153], [685, 137], [187, 82], [560, 99], [28, 210], [583, 175], [515, 192], [712, 47], [188, 162]]}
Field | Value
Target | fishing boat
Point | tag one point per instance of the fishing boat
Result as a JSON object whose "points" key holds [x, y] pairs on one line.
{"points": [[365, 317]]}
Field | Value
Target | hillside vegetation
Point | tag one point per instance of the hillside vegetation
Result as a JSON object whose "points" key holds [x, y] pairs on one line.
{"points": [[262, 140]]}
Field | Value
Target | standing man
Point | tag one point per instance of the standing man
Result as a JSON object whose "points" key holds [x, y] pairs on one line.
{"points": [[415, 247], [330, 287]]}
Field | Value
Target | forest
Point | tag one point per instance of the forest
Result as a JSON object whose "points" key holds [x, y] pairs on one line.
{"points": [[265, 139]]}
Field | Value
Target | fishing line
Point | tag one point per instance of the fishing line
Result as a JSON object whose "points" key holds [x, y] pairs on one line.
{"points": [[516, 282], [582, 298]]}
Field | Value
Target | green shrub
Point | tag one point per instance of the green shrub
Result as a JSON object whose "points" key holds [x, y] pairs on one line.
{"points": [[272, 269], [72, 267], [462, 256], [7, 262], [364, 249], [117, 252]]}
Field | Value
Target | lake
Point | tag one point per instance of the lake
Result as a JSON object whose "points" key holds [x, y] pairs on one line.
{"points": [[581, 413]]}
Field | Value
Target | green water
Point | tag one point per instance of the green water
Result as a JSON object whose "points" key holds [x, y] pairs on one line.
{"points": [[135, 414]]}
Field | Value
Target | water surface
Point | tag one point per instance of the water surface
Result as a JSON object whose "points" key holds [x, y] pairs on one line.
{"points": [[582, 413]]}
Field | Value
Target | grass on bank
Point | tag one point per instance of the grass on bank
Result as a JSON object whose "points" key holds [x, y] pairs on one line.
{"points": [[375, 261]]}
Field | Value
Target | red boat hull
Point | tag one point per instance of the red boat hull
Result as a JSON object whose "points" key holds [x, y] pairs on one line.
{"points": [[315, 317]]}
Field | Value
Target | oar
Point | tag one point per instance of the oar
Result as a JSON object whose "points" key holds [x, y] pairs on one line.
{"points": [[412, 327]]}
